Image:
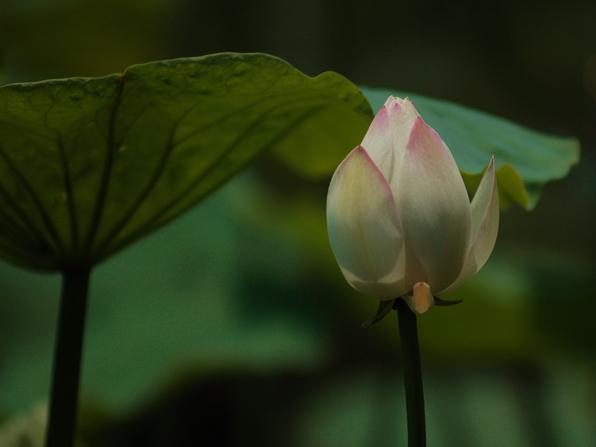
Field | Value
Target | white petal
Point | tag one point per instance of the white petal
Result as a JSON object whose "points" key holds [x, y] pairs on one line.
{"points": [[434, 210], [485, 226], [364, 229]]}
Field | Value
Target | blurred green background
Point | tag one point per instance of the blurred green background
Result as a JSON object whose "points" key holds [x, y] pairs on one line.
{"points": [[234, 327]]}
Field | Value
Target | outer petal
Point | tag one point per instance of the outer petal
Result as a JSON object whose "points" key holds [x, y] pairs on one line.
{"points": [[434, 210], [364, 229], [485, 226]]}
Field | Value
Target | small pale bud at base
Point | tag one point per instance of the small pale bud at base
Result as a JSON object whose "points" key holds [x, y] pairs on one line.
{"points": [[421, 299]]}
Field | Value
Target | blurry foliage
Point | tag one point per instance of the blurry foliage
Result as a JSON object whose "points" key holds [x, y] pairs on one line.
{"points": [[172, 301], [237, 315]]}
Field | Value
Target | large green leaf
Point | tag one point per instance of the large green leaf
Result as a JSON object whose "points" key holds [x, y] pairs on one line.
{"points": [[88, 165], [526, 159]]}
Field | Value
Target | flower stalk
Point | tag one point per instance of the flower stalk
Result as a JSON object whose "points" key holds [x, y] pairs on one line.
{"points": [[408, 333], [403, 230]]}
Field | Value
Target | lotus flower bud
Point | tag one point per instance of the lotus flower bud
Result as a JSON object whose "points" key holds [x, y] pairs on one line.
{"points": [[399, 218]]}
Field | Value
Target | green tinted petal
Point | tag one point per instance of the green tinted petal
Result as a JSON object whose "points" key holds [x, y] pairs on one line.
{"points": [[485, 226], [363, 227]]}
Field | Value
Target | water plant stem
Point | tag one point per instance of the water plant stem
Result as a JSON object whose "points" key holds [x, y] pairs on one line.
{"points": [[408, 332], [67, 358]]}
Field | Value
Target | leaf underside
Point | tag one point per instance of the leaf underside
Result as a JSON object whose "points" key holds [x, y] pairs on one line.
{"points": [[89, 165]]}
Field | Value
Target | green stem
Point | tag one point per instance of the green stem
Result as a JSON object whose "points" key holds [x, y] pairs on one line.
{"points": [[408, 333], [67, 358]]}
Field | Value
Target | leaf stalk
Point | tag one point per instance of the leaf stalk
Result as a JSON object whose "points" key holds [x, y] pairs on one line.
{"points": [[67, 358]]}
